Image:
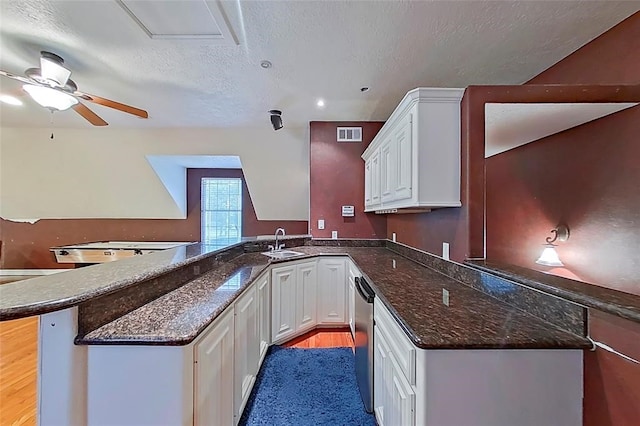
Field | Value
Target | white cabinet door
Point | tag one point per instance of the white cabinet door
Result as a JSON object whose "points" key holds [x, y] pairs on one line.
{"points": [[247, 349], [307, 281], [404, 160], [283, 297], [400, 397], [332, 291], [213, 375], [375, 179], [388, 170], [368, 178], [380, 380], [264, 314]]}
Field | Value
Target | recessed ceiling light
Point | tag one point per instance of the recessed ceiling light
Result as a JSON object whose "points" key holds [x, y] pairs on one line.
{"points": [[266, 64], [364, 89], [320, 103], [10, 100]]}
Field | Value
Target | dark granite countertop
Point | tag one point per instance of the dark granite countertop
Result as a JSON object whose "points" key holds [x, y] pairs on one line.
{"points": [[412, 292], [54, 292], [178, 317], [607, 300]]}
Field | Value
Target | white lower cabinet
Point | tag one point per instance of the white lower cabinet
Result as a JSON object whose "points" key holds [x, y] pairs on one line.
{"points": [[305, 302], [214, 374], [263, 288], [332, 291], [293, 296], [247, 347], [497, 387], [394, 398], [283, 302]]}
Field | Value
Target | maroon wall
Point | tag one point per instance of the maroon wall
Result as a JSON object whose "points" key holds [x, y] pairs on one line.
{"points": [[337, 179], [26, 246], [587, 177], [612, 58]]}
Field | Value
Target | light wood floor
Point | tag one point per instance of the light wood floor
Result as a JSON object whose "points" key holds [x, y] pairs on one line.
{"points": [[323, 338], [18, 371]]}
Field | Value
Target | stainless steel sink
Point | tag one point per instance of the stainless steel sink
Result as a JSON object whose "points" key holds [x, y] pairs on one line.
{"points": [[282, 254]]}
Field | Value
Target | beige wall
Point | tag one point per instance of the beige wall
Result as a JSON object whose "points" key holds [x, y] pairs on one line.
{"points": [[103, 173]]}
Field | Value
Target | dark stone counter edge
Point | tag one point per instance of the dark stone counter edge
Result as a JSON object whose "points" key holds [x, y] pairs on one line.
{"points": [[577, 343], [69, 302], [613, 308]]}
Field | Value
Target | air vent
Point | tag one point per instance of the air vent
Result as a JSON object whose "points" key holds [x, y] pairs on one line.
{"points": [[349, 134]]}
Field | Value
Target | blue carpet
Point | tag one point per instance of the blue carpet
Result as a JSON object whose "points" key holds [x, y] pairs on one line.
{"points": [[301, 387]]}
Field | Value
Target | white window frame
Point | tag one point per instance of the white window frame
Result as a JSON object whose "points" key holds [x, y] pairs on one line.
{"points": [[204, 237]]}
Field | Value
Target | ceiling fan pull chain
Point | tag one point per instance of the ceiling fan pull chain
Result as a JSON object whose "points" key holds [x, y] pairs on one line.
{"points": [[52, 124]]}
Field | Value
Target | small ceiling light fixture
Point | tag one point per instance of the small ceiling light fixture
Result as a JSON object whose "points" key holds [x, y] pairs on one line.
{"points": [[266, 64], [320, 103], [50, 98], [276, 119], [8, 99], [364, 89], [549, 256]]}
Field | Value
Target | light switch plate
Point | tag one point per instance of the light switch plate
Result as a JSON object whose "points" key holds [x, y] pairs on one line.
{"points": [[445, 296], [394, 263], [320, 223], [334, 235], [445, 251]]}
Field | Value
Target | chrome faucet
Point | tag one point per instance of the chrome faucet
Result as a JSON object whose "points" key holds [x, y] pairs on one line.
{"points": [[277, 246]]}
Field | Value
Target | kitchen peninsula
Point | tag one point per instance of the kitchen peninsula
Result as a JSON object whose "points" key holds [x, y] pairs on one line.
{"points": [[164, 306]]}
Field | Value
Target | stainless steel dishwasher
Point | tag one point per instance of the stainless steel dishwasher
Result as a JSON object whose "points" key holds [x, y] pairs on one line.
{"points": [[364, 341]]}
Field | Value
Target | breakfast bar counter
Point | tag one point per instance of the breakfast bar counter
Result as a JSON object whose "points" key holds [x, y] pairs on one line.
{"points": [[412, 293]]}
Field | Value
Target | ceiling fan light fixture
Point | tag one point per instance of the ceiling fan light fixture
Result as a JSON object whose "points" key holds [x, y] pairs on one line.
{"points": [[50, 98], [54, 72]]}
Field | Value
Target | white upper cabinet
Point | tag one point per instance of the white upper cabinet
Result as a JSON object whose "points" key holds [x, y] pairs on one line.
{"points": [[414, 161], [387, 170]]}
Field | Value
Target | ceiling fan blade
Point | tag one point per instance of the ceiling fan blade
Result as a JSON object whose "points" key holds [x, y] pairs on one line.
{"points": [[112, 104], [89, 115], [16, 77]]}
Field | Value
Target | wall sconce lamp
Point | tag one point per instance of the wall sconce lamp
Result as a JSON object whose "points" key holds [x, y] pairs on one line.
{"points": [[549, 256]]}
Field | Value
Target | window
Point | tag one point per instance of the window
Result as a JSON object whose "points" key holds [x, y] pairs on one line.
{"points": [[221, 213]]}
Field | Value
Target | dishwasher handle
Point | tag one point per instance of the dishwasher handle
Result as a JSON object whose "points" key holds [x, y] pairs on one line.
{"points": [[364, 290]]}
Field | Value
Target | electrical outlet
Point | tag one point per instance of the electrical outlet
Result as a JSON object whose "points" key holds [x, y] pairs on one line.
{"points": [[393, 237], [445, 296], [445, 251], [320, 223], [196, 270], [334, 235]]}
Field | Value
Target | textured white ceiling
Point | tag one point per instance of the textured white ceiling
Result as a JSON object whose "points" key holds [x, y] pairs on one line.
{"points": [[325, 49]]}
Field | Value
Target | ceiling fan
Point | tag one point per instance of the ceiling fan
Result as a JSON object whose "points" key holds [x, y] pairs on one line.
{"points": [[51, 87]]}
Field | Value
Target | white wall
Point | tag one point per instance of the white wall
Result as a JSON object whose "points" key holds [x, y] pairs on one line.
{"points": [[103, 173]]}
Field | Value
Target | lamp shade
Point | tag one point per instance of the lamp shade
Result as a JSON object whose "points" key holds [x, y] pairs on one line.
{"points": [[549, 257], [50, 98]]}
